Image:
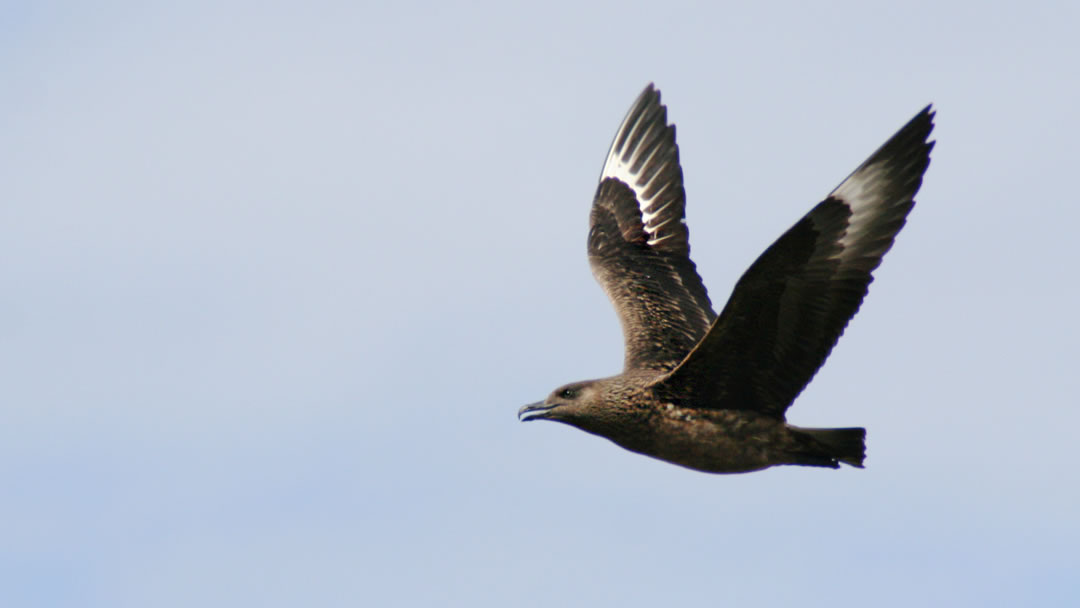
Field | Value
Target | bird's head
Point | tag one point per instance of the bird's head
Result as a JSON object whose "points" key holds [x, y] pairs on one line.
{"points": [[569, 403]]}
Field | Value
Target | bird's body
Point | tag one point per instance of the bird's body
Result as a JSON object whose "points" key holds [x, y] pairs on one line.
{"points": [[643, 419], [707, 391]]}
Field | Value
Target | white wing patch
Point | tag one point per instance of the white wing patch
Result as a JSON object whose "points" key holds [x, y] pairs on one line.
{"points": [[634, 146], [616, 166], [865, 193]]}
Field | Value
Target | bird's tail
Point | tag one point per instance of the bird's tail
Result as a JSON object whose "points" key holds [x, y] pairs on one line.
{"points": [[832, 445]]}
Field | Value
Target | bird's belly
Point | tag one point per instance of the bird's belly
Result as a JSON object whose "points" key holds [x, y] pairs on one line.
{"points": [[715, 441]]}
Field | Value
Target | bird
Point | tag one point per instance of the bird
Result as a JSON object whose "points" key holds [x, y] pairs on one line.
{"points": [[709, 391]]}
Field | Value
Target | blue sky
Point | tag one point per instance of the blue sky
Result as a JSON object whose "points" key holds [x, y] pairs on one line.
{"points": [[279, 276]]}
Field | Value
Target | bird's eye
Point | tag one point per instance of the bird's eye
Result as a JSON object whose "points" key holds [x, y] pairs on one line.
{"points": [[568, 393]]}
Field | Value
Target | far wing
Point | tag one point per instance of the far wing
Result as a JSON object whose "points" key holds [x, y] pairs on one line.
{"points": [[638, 246]]}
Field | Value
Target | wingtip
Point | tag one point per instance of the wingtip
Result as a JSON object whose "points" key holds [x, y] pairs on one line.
{"points": [[649, 95], [926, 116], [931, 113], [911, 139], [646, 110]]}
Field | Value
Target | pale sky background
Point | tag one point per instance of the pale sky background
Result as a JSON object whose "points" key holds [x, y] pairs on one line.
{"points": [[277, 278]]}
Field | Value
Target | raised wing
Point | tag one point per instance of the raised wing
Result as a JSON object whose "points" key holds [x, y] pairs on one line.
{"points": [[791, 306], [638, 246]]}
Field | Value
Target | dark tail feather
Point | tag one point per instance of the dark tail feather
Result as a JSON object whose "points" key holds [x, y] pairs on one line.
{"points": [[844, 445]]}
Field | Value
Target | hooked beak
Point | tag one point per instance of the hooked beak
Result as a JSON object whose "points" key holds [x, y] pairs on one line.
{"points": [[534, 411]]}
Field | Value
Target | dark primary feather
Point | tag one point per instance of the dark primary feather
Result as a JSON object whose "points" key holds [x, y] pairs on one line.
{"points": [[791, 306], [638, 246]]}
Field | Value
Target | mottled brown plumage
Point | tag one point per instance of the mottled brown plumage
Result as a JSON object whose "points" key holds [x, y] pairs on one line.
{"points": [[710, 392]]}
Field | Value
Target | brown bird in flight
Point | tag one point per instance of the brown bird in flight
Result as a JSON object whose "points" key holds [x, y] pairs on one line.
{"points": [[709, 392]]}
